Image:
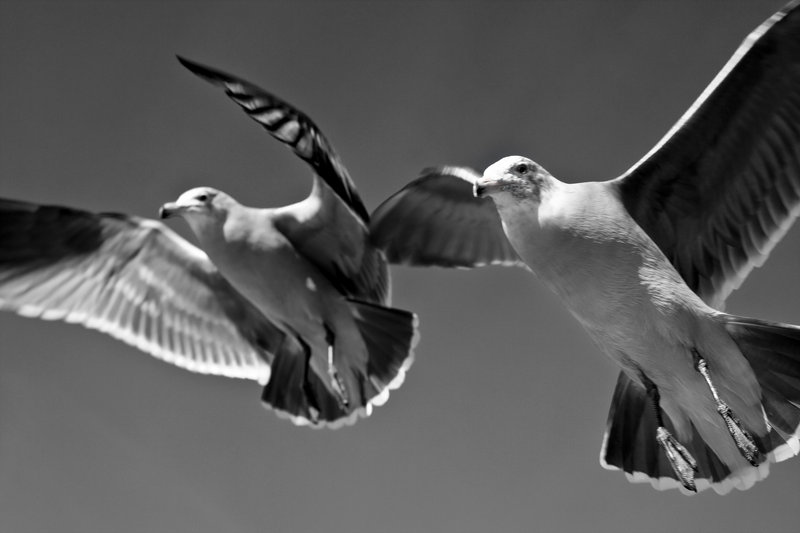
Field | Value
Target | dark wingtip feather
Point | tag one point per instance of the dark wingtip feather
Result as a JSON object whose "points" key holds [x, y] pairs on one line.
{"points": [[196, 68], [207, 73], [315, 149]]}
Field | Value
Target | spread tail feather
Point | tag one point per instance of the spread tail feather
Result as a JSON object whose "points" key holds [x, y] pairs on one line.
{"points": [[390, 336], [630, 445], [773, 351], [306, 394], [297, 393]]}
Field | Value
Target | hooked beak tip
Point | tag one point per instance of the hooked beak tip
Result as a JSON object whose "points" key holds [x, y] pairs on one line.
{"points": [[483, 187], [167, 210]]}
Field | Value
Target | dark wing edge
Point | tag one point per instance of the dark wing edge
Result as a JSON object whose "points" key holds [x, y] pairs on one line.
{"points": [[290, 126], [436, 220], [136, 280], [723, 186]]}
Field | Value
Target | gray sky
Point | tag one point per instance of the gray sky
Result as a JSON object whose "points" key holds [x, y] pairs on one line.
{"points": [[499, 423]]}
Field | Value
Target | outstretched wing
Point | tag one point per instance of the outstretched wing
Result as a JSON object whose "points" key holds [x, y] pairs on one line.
{"points": [[136, 280], [723, 186], [290, 126], [437, 221]]}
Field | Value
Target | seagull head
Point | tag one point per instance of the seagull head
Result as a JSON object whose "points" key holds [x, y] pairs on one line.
{"points": [[512, 179], [200, 201], [205, 210], [202, 208]]}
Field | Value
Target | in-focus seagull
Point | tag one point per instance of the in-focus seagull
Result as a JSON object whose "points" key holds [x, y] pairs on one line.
{"points": [[294, 297], [645, 262]]}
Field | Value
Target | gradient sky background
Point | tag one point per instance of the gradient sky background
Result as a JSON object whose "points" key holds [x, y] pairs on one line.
{"points": [[498, 426]]}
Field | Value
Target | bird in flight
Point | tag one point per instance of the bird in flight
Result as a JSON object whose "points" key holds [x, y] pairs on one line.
{"points": [[294, 297], [645, 262]]}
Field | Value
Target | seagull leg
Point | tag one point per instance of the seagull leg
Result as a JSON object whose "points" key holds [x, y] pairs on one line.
{"points": [[335, 380], [744, 441], [683, 464]]}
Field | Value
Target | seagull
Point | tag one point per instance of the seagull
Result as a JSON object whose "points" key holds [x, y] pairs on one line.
{"points": [[644, 262], [295, 297]]}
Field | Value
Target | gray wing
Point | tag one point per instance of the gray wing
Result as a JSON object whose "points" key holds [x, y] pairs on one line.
{"points": [[723, 186], [290, 126], [134, 279], [437, 221]]}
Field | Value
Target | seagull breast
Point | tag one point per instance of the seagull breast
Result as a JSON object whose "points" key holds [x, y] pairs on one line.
{"points": [[582, 243], [261, 263]]}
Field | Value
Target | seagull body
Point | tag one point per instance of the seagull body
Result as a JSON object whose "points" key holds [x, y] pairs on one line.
{"points": [[582, 243], [221, 225], [251, 251], [644, 262], [294, 297]]}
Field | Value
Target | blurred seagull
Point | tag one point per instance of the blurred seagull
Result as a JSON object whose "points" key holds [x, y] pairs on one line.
{"points": [[293, 297], [645, 261]]}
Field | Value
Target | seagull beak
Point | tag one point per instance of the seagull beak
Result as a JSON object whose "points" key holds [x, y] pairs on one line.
{"points": [[168, 210], [484, 187]]}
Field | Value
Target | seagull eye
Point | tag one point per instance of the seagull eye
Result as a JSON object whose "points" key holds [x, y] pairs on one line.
{"points": [[203, 197], [522, 168]]}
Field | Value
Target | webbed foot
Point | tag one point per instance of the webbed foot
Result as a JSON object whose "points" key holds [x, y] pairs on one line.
{"points": [[744, 441], [679, 457], [682, 462], [741, 437]]}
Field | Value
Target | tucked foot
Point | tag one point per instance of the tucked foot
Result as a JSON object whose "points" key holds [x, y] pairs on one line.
{"points": [[308, 390], [336, 382], [744, 441], [741, 437], [313, 410], [682, 462], [679, 457]]}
